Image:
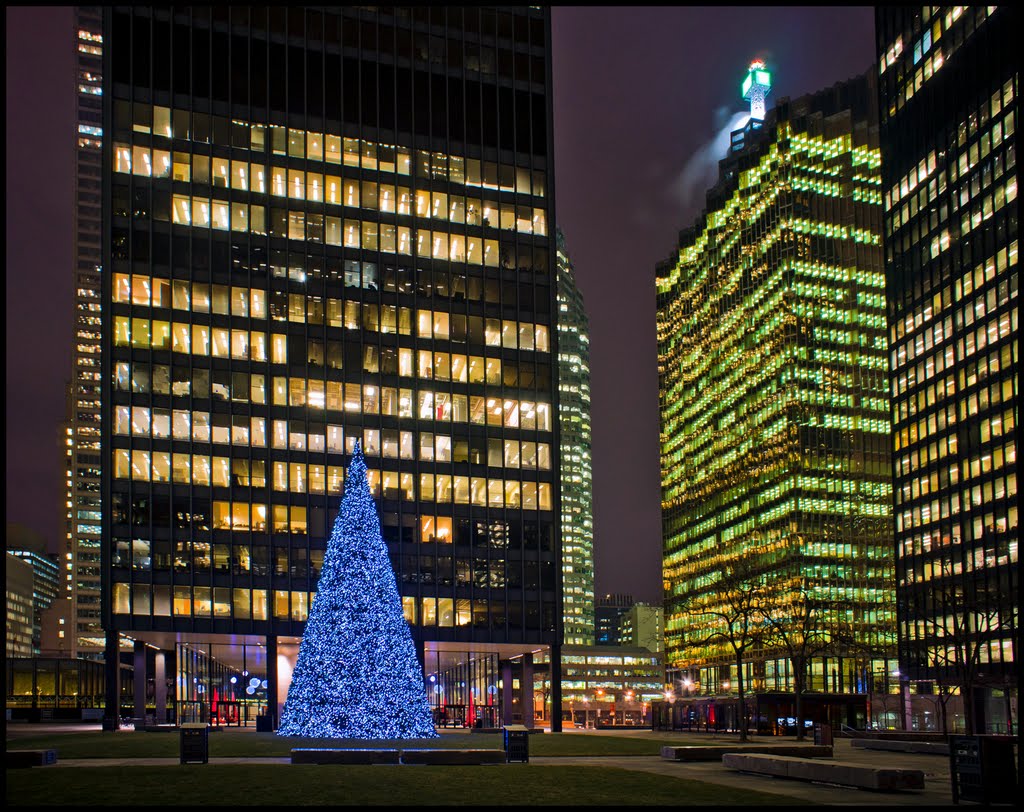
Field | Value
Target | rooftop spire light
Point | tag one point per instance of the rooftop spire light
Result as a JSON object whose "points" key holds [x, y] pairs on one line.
{"points": [[755, 87]]}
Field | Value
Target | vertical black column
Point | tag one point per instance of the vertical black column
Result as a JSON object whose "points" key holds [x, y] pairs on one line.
{"points": [[506, 692], [556, 688], [139, 683], [112, 683], [526, 690], [160, 686], [272, 680]]}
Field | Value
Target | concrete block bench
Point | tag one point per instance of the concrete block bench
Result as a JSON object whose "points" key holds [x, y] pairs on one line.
{"points": [[29, 758], [341, 755], [714, 752], [934, 748], [326, 755], [885, 779], [453, 756]]}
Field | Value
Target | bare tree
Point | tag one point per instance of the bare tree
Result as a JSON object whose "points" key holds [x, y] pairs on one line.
{"points": [[731, 614], [863, 642], [800, 623], [958, 613]]}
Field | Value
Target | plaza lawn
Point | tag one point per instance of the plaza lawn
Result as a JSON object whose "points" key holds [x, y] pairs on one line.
{"points": [[236, 743], [385, 785]]}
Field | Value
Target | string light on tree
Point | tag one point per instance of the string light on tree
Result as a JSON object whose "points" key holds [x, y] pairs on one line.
{"points": [[357, 675]]}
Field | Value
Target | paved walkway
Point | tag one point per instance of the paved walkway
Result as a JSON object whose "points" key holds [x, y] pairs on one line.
{"points": [[937, 791], [937, 788]]}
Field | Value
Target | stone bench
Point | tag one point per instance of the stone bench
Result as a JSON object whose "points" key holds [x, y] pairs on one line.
{"points": [[327, 755], [714, 752], [453, 756], [934, 748], [885, 779], [17, 759]]}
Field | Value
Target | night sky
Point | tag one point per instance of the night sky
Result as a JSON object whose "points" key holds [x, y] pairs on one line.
{"points": [[642, 98]]}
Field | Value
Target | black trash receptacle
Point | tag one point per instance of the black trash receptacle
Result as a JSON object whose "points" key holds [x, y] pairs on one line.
{"points": [[983, 769], [263, 723], [195, 743], [517, 743]]}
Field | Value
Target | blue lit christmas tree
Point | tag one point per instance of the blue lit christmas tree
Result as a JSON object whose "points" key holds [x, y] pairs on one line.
{"points": [[357, 676]]}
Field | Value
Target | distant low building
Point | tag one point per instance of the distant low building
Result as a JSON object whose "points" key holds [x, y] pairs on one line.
{"points": [[604, 685], [30, 548], [607, 612], [18, 623], [57, 633], [643, 626]]}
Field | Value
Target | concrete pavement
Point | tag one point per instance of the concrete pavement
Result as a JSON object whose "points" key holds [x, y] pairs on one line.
{"points": [[937, 790]]}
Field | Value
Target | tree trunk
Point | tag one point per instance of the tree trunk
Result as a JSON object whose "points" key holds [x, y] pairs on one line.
{"points": [[742, 715], [967, 696], [798, 685]]}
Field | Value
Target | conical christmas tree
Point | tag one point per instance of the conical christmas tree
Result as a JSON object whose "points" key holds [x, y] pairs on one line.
{"points": [[357, 675]]}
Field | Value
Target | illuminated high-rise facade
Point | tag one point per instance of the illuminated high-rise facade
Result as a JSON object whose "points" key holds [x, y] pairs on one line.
{"points": [[949, 86], [576, 470], [328, 226], [774, 406], [81, 446]]}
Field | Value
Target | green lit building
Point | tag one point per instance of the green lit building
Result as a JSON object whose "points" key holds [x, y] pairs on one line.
{"points": [[575, 476], [773, 397]]}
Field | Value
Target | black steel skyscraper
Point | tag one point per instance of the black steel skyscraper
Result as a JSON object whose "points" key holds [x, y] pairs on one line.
{"points": [[324, 226], [949, 81]]}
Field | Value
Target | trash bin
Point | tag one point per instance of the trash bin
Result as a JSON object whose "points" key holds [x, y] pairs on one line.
{"points": [[823, 734], [195, 743], [982, 769], [517, 743], [263, 723]]}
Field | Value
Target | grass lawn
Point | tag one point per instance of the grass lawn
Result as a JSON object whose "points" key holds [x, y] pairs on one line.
{"points": [[384, 785], [236, 743]]}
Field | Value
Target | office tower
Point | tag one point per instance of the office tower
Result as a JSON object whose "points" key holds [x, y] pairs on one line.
{"points": [[607, 613], [330, 225], [576, 478], [774, 406], [948, 103], [643, 626], [81, 443]]}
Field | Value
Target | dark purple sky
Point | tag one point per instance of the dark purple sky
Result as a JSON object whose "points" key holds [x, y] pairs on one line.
{"points": [[639, 95]]}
